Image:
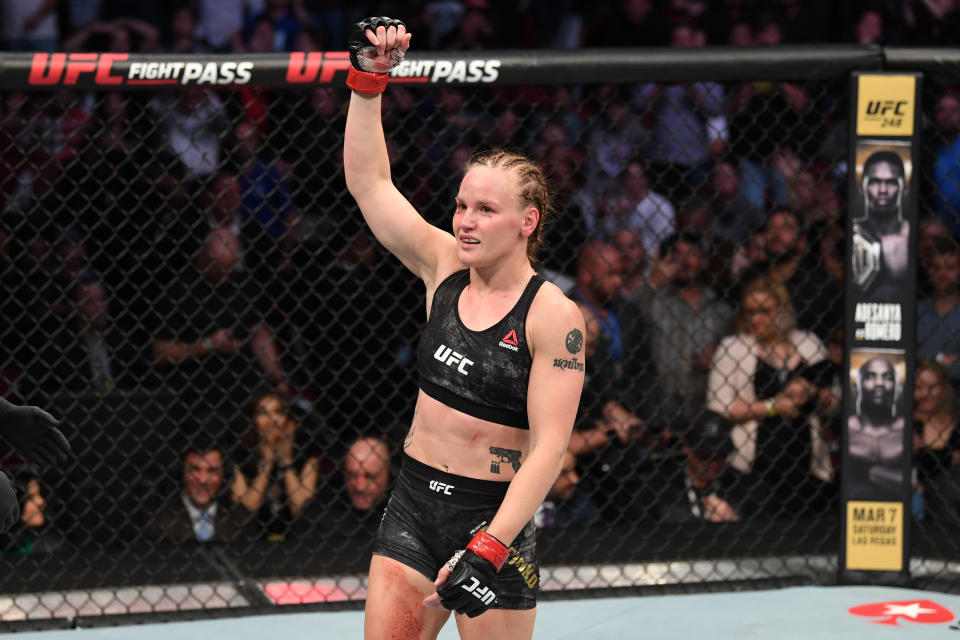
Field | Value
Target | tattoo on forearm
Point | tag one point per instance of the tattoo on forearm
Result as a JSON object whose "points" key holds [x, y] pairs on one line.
{"points": [[504, 455]]}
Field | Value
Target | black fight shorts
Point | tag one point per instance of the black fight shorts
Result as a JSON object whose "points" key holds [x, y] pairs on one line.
{"points": [[432, 514]]}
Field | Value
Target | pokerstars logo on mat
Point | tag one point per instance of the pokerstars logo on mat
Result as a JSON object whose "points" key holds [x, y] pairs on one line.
{"points": [[916, 611]]}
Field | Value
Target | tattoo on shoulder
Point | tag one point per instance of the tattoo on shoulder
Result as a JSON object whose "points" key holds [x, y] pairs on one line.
{"points": [[574, 341], [504, 455]]}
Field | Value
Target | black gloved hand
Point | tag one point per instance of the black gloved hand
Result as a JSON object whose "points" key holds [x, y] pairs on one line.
{"points": [[9, 504], [363, 54], [34, 432], [471, 587]]}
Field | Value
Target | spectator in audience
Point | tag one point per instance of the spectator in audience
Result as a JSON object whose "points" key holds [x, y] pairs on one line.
{"points": [[198, 511], [626, 23], [281, 16], [278, 473], [266, 209], [566, 235], [81, 12], [597, 292], [740, 34], [181, 36], [354, 510], [475, 31], [636, 207], [192, 125], [721, 19], [931, 229], [219, 20], [811, 197], [684, 320], [366, 474], [762, 381], [788, 260], [608, 437], [870, 27], [936, 445], [34, 532], [679, 150], [260, 37], [946, 169], [211, 339], [634, 274], [89, 351], [765, 119], [691, 468], [925, 21], [938, 316], [29, 25], [566, 504], [130, 199], [50, 134], [612, 141], [830, 240], [733, 216], [123, 35]]}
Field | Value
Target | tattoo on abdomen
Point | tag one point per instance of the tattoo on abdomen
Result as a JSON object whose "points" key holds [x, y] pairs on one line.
{"points": [[504, 455], [409, 439]]}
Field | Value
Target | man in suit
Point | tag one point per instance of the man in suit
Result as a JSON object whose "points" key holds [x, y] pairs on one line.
{"points": [[196, 512]]}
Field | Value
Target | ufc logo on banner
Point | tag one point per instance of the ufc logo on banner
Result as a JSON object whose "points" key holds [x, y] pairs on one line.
{"points": [[451, 358], [484, 594], [441, 487]]}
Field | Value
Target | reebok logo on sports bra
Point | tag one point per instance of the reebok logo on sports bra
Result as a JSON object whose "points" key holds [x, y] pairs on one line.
{"points": [[453, 359], [509, 341]]}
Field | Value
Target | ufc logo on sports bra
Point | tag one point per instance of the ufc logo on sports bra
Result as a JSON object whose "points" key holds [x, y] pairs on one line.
{"points": [[441, 487], [453, 359]]}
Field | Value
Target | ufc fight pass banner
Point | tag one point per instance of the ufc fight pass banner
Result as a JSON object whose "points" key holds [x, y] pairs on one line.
{"points": [[879, 326]]}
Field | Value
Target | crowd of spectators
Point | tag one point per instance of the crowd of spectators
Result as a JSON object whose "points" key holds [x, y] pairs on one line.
{"points": [[219, 26], [202, 241]]}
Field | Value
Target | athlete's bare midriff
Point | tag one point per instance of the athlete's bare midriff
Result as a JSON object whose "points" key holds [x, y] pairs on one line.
{"points": [[460, 444]]}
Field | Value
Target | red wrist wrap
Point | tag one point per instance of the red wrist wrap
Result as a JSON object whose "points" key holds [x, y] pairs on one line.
{"points": [[489, 548], [365, 82]]}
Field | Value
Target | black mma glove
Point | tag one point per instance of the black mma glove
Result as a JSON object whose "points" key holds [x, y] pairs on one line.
{"points": [[9, 505], [367, 74], [471, 587], [34, 432]]}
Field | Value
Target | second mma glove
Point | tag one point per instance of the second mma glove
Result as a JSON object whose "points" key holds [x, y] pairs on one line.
{"points": [[34, 432], [9, 505], [471, 587], [368, 74]]}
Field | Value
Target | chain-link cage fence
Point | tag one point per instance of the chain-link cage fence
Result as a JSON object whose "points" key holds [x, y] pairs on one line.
{"points": [[189, 285], [936, 449]]}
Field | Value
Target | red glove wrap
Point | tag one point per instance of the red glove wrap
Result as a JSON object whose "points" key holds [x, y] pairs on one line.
{"points": [[365, 82], [489, 548]]}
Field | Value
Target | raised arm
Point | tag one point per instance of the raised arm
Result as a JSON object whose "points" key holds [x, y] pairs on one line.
{"points": [[391, 218]]}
